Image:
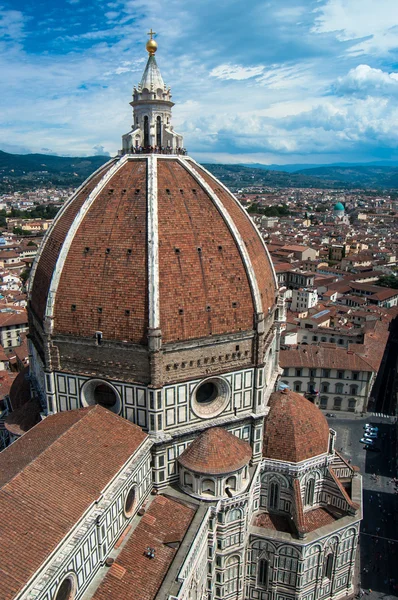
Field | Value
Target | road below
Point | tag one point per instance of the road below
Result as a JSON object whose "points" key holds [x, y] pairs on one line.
{"points": [[378, 569]]}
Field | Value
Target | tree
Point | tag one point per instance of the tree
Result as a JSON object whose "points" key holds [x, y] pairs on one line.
{"points": [[24, 275], [390, 281]]}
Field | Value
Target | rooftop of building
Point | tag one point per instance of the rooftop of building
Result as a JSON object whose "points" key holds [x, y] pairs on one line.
{"points": [[216, 451], [295, 429], [56, 465]]}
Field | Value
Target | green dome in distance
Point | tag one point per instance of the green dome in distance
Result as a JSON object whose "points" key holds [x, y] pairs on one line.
{"points": [[338, 206]]}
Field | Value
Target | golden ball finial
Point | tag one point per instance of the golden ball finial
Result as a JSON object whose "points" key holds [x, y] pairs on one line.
{"points": [[151, 45]]}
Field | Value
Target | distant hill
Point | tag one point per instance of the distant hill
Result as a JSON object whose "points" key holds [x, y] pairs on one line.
{"points": [[294, 168], [29, 171], [357, 176], [237, 176]]}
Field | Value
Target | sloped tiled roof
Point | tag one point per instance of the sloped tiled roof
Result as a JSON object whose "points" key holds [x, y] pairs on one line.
{"points": [[134, 576], [49, 478]]}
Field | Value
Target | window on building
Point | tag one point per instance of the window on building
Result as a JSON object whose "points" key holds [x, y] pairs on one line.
{"points": [[231, 483], [262, 573], [231, 575], [325, 372], [341, 341], [352, 403], [297, 386], [340, 374], [298, 372], [353, 390], [188, 479], [67, 589], [233, 515], [273, 500], [325, 387], [312, 372], [337, 404], [286, 372], [323, 402], [328, 566], [355, 375], [339, 388], [208, 487], [314, 338], [309, 492]]}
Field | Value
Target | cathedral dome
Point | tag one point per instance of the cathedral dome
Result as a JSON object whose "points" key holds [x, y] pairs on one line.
{"points": [[338, 207], [216, 452], [151, 242], [295, 429]]}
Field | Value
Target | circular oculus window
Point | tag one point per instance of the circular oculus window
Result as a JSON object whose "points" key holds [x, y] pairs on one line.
{"points": [[96, 391], [67, 589], [131, 501], [210, 397]]}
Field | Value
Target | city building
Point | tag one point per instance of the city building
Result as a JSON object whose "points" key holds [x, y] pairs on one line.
{"points": [[303, 299], [334, 378], [165, 464]]}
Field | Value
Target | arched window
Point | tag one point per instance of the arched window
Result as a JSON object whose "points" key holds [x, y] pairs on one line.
{"points": [[339, 388], [297, 386], [208, 487], [262, 573], [352, 403], [231, 577], [159, 132], [188, 479], [233, 515], [337, 404], [231, 483], [146, 132], [353, 390], [273, 499], [325, 387], [309, 492], [328, 566], [323, 401]]}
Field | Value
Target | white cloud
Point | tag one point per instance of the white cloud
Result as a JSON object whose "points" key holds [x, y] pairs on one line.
{"points": [[12, 24], [359, 19], [364, 80], [237, 72]]}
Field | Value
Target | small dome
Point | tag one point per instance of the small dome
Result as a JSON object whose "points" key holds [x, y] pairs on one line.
{"points": [[216, 451], [295, 429], [338, 207]]}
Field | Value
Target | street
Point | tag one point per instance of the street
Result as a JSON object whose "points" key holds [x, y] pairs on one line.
{"points": [[378, 564]]}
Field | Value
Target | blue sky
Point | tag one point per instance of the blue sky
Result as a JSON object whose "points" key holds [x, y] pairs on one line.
{"points": [[281, 81]]}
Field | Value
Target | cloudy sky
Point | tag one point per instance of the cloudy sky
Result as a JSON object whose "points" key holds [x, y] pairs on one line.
{"points": [[278, 81]]}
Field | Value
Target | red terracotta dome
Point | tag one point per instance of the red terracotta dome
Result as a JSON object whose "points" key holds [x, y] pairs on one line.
{"points": [[151, 242], [295, 429], [215, 452]]}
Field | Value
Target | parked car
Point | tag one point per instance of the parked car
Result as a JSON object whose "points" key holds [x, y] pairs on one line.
{"points": [[369, 426], [330, 415], [366, 440], [371, 447], [370, 434]]}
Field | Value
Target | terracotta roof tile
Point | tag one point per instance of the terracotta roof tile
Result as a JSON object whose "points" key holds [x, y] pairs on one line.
{"points": [[319, 517], [59, 468], [216, 451], [135, 576], [204, 287], [295, 429], [314, 356]]}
